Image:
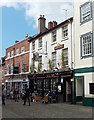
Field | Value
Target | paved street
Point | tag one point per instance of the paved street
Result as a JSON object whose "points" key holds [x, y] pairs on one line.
{"points": [[41, 110]]}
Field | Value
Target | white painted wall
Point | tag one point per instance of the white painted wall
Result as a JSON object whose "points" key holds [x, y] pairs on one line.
{"points": [[50, 47], [78, 31]]}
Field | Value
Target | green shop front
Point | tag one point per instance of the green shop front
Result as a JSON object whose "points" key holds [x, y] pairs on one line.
{"points": [[84, 86]]}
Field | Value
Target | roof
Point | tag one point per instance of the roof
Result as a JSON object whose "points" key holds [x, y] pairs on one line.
{"points": [[49, 30]]}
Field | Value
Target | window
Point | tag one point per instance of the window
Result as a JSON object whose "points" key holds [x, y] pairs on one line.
{"points": [[40, 42], [33, 45], [65, 31], [85, 12], [12, 53], [11, 68], [86, 45], [8, 54], [91, 86], [65, 56], [54, 36], [46, 84], [54, 59], [17, 51], [22, 49]]}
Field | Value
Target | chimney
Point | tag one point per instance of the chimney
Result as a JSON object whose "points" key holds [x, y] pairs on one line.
{"points": [[16, 41], [50, 25], [54, 23], [41, 24], [26, 36]]}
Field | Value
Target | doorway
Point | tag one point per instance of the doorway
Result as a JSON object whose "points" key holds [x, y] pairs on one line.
{"points": [[79, 91]]}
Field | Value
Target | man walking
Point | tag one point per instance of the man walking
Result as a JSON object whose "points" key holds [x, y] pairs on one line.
{"points": [[16, 94], [3, 94], [27, 95]]}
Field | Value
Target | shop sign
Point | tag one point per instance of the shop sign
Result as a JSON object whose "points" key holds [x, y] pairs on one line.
{"points": [[59, 46]]}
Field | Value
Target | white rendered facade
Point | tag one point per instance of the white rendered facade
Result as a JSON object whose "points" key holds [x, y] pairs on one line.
{"points": [[84, 50], [48, 46]]}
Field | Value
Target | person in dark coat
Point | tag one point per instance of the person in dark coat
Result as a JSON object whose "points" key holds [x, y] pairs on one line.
{"points": [[16, 94], [3, 95], [27, 95]]}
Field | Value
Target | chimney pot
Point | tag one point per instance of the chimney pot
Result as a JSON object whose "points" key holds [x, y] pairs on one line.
{"points": [[54, 23], [50, 25], [26, 36], [41, 24]]}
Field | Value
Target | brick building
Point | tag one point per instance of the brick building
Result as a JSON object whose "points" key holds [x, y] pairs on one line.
{"points": [[2, 70], [17, 64]]}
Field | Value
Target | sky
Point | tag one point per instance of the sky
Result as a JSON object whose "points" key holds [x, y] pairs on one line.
{"points": [[20, 17]]}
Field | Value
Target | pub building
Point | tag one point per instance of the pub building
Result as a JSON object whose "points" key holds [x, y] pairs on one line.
{"points": [[56, 81], [51, 59]]}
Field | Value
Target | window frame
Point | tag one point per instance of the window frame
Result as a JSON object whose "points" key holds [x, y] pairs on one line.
{"points": [[54, 59], [54, 36], [17, 51], [40, 41], [22, 49], [81, 45], [82, 6], [66, 57], [63, 35], [33, 45]]}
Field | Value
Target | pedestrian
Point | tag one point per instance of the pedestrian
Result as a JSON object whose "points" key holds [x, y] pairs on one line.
{"points": [[49, 96], [27, 95], [16, 94], [3, 94]]}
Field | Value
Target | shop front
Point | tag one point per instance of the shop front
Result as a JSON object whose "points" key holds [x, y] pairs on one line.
{"points": [[59, 82]]}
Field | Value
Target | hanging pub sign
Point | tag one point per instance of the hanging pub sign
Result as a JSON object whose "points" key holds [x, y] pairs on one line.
{"points": [[59, 46], [36, 56]]}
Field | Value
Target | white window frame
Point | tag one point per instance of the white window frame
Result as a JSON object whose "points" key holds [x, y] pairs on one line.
{"points": [[86, 45], [12, 53], [54, 34], [8, 54], [40, 42], [22, 49], [17, 51], [65, 31], [33, 45], [65, 56], [54, 59], [85, 12]]}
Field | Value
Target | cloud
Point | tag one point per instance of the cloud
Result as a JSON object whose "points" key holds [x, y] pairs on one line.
{"points": [[56, 10]]}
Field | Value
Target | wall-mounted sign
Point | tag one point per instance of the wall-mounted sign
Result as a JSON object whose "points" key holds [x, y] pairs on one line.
{"points": [[59, 46]]}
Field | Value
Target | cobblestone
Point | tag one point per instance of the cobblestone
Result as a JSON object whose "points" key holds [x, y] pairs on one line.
{"points": [[14, 109]]}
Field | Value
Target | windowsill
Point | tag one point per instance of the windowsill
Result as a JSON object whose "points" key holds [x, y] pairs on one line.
{"points": [[40, 48], [33, 51], [54, 43], [65, 38]]}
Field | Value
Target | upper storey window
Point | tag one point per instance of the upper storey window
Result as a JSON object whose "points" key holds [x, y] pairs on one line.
{"points": [[40, 42], [22, 49], [33, 45], [8, 54], [85, 12], [86, 45], [54, 36], [65, 31]]}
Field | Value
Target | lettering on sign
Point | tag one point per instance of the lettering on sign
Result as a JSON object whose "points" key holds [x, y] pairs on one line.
{"points": [[59, 46]]}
